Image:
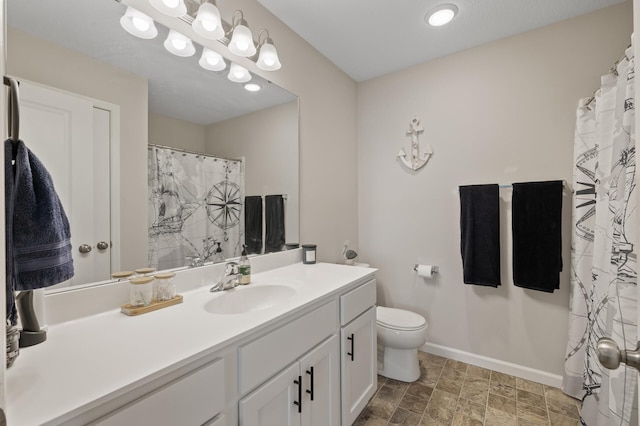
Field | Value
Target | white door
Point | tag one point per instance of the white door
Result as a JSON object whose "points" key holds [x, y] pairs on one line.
{"points": [[320, 370], [274, 403], [71, 138], [358, 356], [3, 130]]}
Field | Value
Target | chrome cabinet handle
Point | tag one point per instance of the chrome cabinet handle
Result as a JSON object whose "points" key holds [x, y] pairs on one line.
{"points": [[610, 356], [84, 248], [102, 245]]}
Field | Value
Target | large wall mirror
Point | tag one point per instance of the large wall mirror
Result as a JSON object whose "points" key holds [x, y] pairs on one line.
{"points": [[84, 79]]}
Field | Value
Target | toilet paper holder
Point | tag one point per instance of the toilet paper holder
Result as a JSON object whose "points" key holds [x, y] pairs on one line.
{"points": [[434, 269]]}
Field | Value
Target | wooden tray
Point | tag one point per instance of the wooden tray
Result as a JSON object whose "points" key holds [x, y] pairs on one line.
{"points": [[139, 310]]}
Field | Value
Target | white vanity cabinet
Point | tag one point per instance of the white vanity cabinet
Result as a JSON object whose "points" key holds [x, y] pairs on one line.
{"points": [[305, 393], [303, 354], [308, 361], [197, 398], [358, 350]]}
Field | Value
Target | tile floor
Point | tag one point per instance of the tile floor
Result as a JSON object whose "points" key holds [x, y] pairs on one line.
{"points": [[454, 393]]}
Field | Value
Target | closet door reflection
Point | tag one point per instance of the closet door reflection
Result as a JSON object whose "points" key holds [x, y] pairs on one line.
{"points": [[71, 138]]}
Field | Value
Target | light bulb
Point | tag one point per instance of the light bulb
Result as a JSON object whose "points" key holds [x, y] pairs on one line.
{"points": [[242, 45], [207, 22], [268, 58], [211, 60], [171, 3], [179, 44], [140, 24], [209, 25], [441, 15], [238, 74]]}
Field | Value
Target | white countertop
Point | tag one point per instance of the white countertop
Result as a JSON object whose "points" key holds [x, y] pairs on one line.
{"points": [[85, 361]]}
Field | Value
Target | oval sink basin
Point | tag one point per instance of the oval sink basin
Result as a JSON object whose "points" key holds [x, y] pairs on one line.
{"points": [[248, 299]]}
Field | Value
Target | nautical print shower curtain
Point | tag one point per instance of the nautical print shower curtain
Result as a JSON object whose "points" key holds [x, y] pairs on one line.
{"points": [[603, 250], [195, 202]]}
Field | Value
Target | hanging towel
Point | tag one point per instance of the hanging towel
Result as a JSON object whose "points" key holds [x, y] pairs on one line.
{"points": [[253, 224], [274, 216], [38, 237], [480, 234], [537, 235]]}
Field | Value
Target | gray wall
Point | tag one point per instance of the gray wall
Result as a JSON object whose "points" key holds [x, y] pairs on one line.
{"points": [[500, 113]]}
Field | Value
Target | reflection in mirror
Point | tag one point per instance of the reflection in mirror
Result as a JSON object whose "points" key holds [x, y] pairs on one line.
{"points": [[129, 93]]}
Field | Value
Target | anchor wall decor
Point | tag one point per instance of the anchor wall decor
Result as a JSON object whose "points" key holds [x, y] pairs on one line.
{"points": [[416, 160]]}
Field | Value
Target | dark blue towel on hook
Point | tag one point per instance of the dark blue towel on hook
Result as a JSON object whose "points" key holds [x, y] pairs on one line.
{"points": [[38, 237], [537, 235], [480, 234]]}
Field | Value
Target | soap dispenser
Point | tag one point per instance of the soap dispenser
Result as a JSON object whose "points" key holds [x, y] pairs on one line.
{"points": [[218, 257], [244, 267]]}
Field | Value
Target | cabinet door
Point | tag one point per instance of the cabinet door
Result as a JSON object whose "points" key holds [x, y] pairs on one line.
{"points": [[320, 370], [358, 364], [274, 403]]}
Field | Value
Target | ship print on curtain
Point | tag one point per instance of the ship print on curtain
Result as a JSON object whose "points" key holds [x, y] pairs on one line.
{"points": [[195, 201], [603, 250]]}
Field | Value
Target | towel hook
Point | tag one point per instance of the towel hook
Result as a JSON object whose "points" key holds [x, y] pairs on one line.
{"points": [[14, 108]]}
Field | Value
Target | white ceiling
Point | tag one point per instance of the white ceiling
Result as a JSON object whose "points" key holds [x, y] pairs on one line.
{"points": [[370, 38]]}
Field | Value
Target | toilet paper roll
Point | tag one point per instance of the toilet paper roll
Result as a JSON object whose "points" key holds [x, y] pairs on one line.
{"points": [[425, 271]]}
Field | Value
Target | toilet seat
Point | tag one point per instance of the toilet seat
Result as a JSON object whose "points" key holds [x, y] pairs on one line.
{"points": [[399, 319]]}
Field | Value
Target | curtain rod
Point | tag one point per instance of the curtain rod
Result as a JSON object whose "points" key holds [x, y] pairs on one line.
{"points": [[186, 151]]}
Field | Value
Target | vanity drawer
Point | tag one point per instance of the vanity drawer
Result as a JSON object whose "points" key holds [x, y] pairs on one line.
{"points": [[194, 399], [265, 356], [357, 301]]}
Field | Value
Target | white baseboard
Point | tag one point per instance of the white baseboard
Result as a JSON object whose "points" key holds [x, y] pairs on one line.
{"points": [[495, 365]]}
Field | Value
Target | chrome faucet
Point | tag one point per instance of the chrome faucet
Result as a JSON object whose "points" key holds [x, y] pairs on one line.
{"points": [[229, 279], [194, 261]]}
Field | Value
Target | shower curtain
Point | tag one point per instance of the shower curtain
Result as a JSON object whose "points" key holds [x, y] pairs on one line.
{"points": [[195, 205], [603, 249]]}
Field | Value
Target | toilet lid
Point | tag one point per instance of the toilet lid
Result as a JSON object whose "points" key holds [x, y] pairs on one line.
{"points": [[399, 319]]}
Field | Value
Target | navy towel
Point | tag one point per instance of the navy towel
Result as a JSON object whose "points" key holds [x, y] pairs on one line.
{"points": [[274, 217], [253, 224], [537, 235], [38, 238], [480, 234]]}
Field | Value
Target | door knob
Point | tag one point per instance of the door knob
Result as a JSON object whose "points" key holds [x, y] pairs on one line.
{"points": [[610, 356], [84, 248], [102, 245]]}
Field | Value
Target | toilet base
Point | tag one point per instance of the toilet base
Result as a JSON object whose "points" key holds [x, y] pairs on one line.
{"points": [[399, 364]]}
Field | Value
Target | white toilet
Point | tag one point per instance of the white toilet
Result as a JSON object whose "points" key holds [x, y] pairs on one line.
{"points": [[400, 334]]}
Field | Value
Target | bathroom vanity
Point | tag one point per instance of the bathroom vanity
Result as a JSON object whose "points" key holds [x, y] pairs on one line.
{"points": [[295, 347]]}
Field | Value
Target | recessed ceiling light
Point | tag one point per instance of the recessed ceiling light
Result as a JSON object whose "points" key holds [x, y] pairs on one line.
{"points": [[441, 15], [252, 87]]}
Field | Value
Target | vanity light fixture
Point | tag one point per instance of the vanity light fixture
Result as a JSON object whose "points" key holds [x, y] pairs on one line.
{"points": [[179, 45], [252, 87], [138, 24], [212, 61], [238, 74], [268, 57], [441, 15], [174, 8], [207, 22], [241, 43]]}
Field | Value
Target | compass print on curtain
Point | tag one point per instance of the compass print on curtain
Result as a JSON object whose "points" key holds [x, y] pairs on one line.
{"points": [[195, 202]]}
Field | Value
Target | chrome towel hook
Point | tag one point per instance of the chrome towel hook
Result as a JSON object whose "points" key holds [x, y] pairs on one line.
{"points": [[14, 108]]}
